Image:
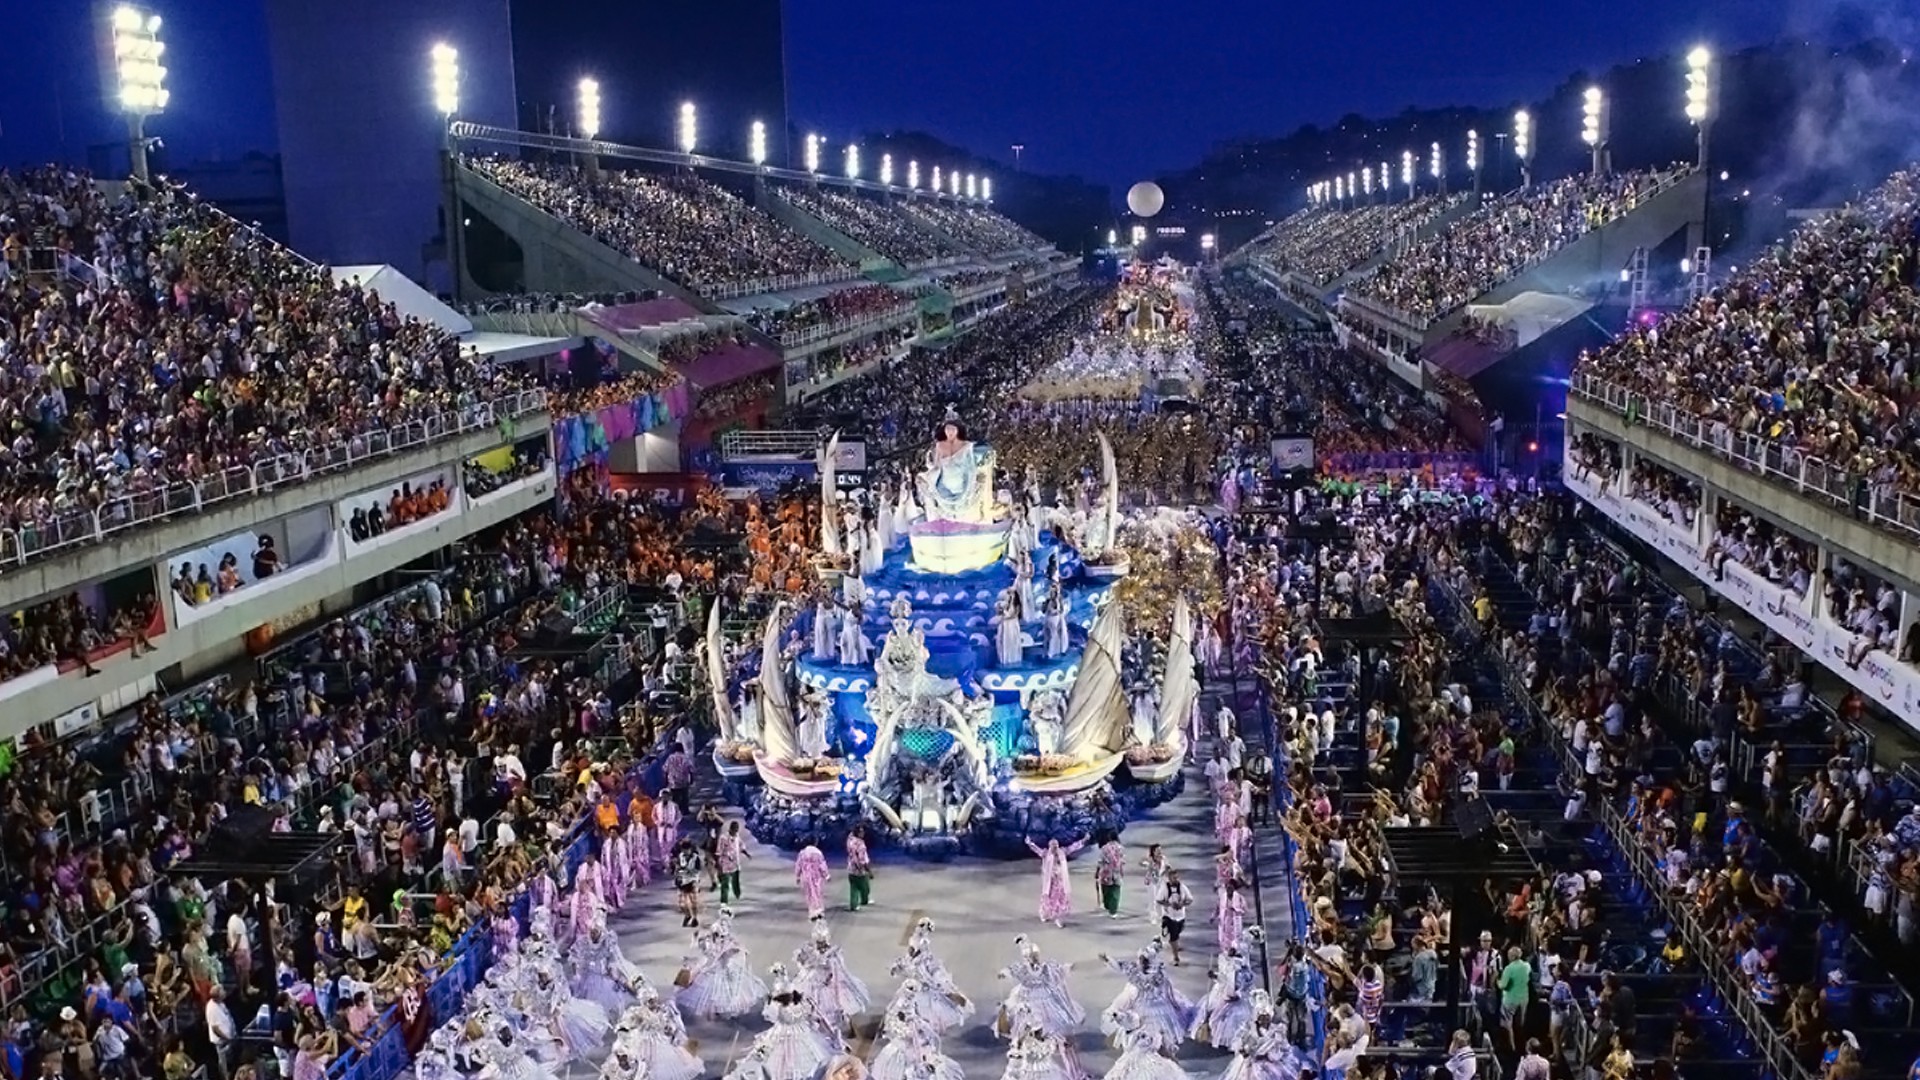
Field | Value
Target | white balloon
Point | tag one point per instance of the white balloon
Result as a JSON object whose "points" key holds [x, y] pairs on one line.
{"points": [[1146, 199]]}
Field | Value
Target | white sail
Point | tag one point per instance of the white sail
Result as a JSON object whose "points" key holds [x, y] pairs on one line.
{"points": [[717, 675], [829, 512], [776, 705], [1182, 622], [1097, 718], [1111, 474], [1177, 693]]}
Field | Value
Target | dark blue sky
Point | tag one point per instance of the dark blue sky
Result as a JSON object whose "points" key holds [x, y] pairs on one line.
{"points": [[1114, 90]]}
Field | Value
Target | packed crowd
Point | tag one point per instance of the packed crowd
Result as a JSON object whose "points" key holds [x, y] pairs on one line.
{"points": [[882, 226], [1810, 347], [69, 630], [684, 343], [855, 356], [629, 386], [1503, 236], [690, 230], [191, 345], [1323, 243], [965, 278], [482, 478], [977, 227], [833, 312]]}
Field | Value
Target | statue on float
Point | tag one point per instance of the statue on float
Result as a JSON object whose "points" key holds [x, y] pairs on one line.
{"points": [[963, 530], [905, 697]]}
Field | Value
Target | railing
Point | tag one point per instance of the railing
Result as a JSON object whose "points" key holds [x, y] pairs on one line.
{"points": [[92, 525], [1777, 462], [794, 339], [736, 444], [780, 283]]}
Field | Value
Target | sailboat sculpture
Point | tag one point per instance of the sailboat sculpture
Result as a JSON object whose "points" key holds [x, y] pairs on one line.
{"points": [[829, 513], [723, 717], [1110, 561], [779, 745], [1178, 693], [1097, 721]]}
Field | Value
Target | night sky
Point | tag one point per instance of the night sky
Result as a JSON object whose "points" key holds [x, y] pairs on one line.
{"points": [[1113, 91]]}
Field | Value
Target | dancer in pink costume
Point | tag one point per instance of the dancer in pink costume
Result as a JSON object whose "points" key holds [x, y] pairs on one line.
{"points": [[589, 893], [666, 827], [810, 871], [619, 866], [1230, 914], [1056, 898], [640, 854]]}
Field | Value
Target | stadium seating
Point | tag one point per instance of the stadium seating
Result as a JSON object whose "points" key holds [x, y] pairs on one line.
{"points": [[1500, 238], [886, 227], [689, 230], [834, 313], [1322, 244], [976, 227]]}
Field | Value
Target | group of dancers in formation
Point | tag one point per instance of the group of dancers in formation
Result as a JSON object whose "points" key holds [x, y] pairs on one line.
{"points": [[556, 997]]}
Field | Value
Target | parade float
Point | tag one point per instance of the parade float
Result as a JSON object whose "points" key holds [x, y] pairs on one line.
{"points": [[962, 685]]}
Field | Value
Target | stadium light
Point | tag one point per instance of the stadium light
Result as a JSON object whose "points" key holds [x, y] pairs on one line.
{"points": [[1206, 242], [937, 188], [1436, 164], [1406, 171], [445, 60], [1339, 189], [589, 108], [1523, 145], [1366, 182], [1113, 237], [1139, 235], [853, 161], [689, 128], [1353, 188], [757, 142], [913, 176], [973, 186], [139, 83], [886, 170], [813, 153], [1700, 103], [1593, 126], [953, 182], [986, 189], [1386, 182]]}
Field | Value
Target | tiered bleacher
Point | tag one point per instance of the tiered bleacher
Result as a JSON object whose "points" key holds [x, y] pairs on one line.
{"points": [[834, 313], [690, 230], [157, 356], [886, 227], [976, 227], [1802, 362], [1502, 237], [1323, 243]]}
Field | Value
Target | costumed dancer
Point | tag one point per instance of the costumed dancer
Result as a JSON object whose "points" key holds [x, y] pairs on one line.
{"points": [[794, 1048], [836, 992], [824, 628], [601, 972], [1261, 1052], [810, 872], [1039, 994], [1054, 620], [655, 1037], [495, 1047], [1056, 893], [619, 867], [859, 870], [589, 893], [1140, 1054], [1038, 1054], [910, 1048], [1155, 873], [666, 827], [639, 852], [1230, 914], [717, 979], [1150, 996], [1228, 1005], [929, 991], [1008, 639], [854, 651], [578, 1026]]}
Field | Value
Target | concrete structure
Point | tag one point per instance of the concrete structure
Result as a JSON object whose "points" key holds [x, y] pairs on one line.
{"points": [[1824, 509], [359, 137]]}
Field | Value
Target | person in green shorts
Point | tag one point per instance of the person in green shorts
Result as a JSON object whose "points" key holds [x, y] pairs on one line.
{"points": [[1108, 873], [859, 870]]}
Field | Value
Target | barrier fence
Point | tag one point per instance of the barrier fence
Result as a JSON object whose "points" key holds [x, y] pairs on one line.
{"points": [[1776, 462], [26, 542]]}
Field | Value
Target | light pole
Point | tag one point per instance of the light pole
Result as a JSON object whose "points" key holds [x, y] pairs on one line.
{"points": [[953, 183], [853, 161], [1473, 159], [913, 175], [1594, 127], [1523, 145], [1340, 192], [1018, 149], [1406, 172], [139, 85], [757, 143], [1700, 95], [1438, 167], [443, 65], [1366, 183], [886, 170], [689, 130], [813, 154], [986, 189], [589, 119], [1386, 184], [973, 187], [936, 187]]}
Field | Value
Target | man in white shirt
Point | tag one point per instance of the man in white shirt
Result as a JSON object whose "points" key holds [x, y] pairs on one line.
{"points": [[221, 1031], [503, 835], [1175, 899]]}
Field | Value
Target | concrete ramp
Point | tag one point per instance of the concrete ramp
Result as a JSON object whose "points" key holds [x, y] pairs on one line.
{"points": [[400, 290], [558, 257]]}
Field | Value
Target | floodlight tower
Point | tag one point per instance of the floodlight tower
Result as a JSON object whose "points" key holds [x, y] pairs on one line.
{"points": [[1595, 127], [1701, 95], [953, 183], [1406, 172], [138, 85], [973, 187], [1473, 158], [1340, 192], [445, 65], [913, 175], [688, 129], [812, 159], [853, 161], [1523, 145], [589, 123], [1366, 182], [1353, 189], [986, 189], [937, 188], [757, 144], [886, 170], [1437, 165]]}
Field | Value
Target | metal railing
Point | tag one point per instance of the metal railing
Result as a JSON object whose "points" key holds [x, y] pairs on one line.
{"points": [[780, 283], [794, 339], [1778, 463], [83, 526]]}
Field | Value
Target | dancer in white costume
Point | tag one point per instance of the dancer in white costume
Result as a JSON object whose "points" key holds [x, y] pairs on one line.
{"points": [[1262, 1051], [1150, 997], [1034, 1054], [1054, 618], [720, 980], [935, 999], [601, 973], [1039, 993], [910, 1046], [1228, 1006], [794, 1048], [1140, 1056], [836, 992], [1008, 638], [498, 1051], [654, 1037], [824, 628], [579, 1025]]}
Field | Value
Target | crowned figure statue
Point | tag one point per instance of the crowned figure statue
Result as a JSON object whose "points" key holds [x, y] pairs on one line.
{"points": [[957, 482]]}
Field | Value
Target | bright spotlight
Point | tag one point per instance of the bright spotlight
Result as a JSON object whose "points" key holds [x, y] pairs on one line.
{"points": [[1435, 164], [1523, 135], [1339, 188], [141, 82], [953, 182], [757, 142], [913, 175], [1406, 168], [813, 153], [853, 161], [1686, 266], [689, 128], [446, 79], [589, 109], [1699, 84], [1206, 242], [1593, 107], [886, 169], [1473, 151], [1366, 181], [1113, 237], [937, 188], [973, 186], [986, 189]]}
